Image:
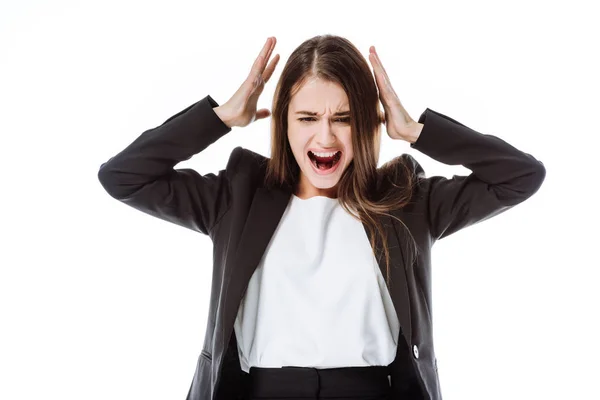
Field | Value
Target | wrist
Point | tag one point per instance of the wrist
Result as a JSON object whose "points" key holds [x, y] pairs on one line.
{"points": [[414, 132], [224, 115]]}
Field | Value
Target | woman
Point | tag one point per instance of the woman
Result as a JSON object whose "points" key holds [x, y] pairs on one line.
{"points": [[322, 261]]}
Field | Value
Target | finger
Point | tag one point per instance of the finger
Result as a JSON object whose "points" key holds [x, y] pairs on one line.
{"points": [[387, 94], [270, 68], [381, 85], [384, 73], [274, 42], [262, 113], [262, 54], [384, 83], [259, 64], [376, 69]]}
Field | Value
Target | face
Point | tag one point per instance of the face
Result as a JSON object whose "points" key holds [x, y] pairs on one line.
{"points": [[319, 122]]}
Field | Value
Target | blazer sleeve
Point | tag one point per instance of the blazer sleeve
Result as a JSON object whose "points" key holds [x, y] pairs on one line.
{"points": [[143, 174], [502, 176]]}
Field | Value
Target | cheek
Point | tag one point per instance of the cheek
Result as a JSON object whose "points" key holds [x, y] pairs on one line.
{"points": [[349, 149], [297, 149], [297, 141]]}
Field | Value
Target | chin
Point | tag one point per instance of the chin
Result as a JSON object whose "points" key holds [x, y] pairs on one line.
{"points": [[327, 185], [324, 181]]}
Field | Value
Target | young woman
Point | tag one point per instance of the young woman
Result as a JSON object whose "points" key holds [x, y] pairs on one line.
{"points": [[322, 261]]}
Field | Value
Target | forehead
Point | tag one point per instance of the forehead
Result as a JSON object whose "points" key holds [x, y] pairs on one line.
{"points": [[319, 95]]}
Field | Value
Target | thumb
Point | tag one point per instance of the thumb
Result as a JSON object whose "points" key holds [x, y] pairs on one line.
{"points": [[262, 113]]}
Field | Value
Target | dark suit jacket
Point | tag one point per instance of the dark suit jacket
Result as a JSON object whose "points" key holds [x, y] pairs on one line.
{"points": [[240, 215]]}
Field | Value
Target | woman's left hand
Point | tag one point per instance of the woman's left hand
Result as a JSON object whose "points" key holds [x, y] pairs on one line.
{"points": [[398, 123]]}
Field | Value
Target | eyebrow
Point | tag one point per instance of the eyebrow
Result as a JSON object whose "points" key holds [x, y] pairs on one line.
{"points": [[312, 113]]}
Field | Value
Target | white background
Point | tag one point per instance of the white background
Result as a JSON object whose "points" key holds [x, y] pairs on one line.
{"points": [[100, 301]]}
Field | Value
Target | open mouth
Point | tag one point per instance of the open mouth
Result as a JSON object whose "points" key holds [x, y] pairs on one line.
{"points": [[324, 163]]}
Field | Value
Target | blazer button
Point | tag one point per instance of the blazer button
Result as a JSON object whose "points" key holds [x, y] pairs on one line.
{"points": [[416, 351]]}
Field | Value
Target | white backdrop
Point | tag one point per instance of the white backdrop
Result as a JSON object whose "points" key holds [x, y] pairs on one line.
{"points": [[100, 301]]}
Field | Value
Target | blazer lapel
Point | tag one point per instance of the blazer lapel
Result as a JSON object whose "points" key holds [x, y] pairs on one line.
{"points": [[265, 213], [398, 286]]}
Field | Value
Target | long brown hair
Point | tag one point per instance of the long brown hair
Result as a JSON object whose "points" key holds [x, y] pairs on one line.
{"points": [[362, 187]]}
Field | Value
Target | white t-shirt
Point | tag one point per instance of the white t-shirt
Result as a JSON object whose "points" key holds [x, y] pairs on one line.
{"points": [[317, 298]]}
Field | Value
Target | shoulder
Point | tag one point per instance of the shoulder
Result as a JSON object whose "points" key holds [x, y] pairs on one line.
{"points": [[246, 159], [403, 180], [412, 164], [246, 164], [401, 169]]}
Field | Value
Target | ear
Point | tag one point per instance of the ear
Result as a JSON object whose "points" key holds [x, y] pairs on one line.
{"points": [[381, 116]]}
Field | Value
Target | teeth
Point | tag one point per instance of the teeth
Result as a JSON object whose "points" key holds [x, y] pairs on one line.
{"points": [[329, 154]]}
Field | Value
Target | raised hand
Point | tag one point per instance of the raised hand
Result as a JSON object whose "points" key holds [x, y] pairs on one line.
{"points": [[240, 109], [398, 123]]}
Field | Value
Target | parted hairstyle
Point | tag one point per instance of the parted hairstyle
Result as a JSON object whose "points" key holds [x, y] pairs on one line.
{"points": [[363, 188]]}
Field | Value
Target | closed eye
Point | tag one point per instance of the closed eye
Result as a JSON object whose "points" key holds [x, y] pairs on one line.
{"points": [[310, 119]]}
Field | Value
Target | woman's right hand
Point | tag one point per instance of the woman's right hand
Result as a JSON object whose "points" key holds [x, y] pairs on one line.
{"points": [[240, 109]]}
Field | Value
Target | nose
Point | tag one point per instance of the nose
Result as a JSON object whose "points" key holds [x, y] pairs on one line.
{"points": [[325, 135]]}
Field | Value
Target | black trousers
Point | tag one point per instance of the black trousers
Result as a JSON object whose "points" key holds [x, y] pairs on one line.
{"points": [[291, 383]]}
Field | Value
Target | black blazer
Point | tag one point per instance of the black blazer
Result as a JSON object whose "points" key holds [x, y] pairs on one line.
{"points": [[240, 216]]}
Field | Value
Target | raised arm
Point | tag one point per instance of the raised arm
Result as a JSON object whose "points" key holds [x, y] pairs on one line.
{"points": [[143, 175], [502, 176]]}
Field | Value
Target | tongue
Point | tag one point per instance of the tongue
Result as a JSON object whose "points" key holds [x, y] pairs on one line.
{"points": [[325, 163]]}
